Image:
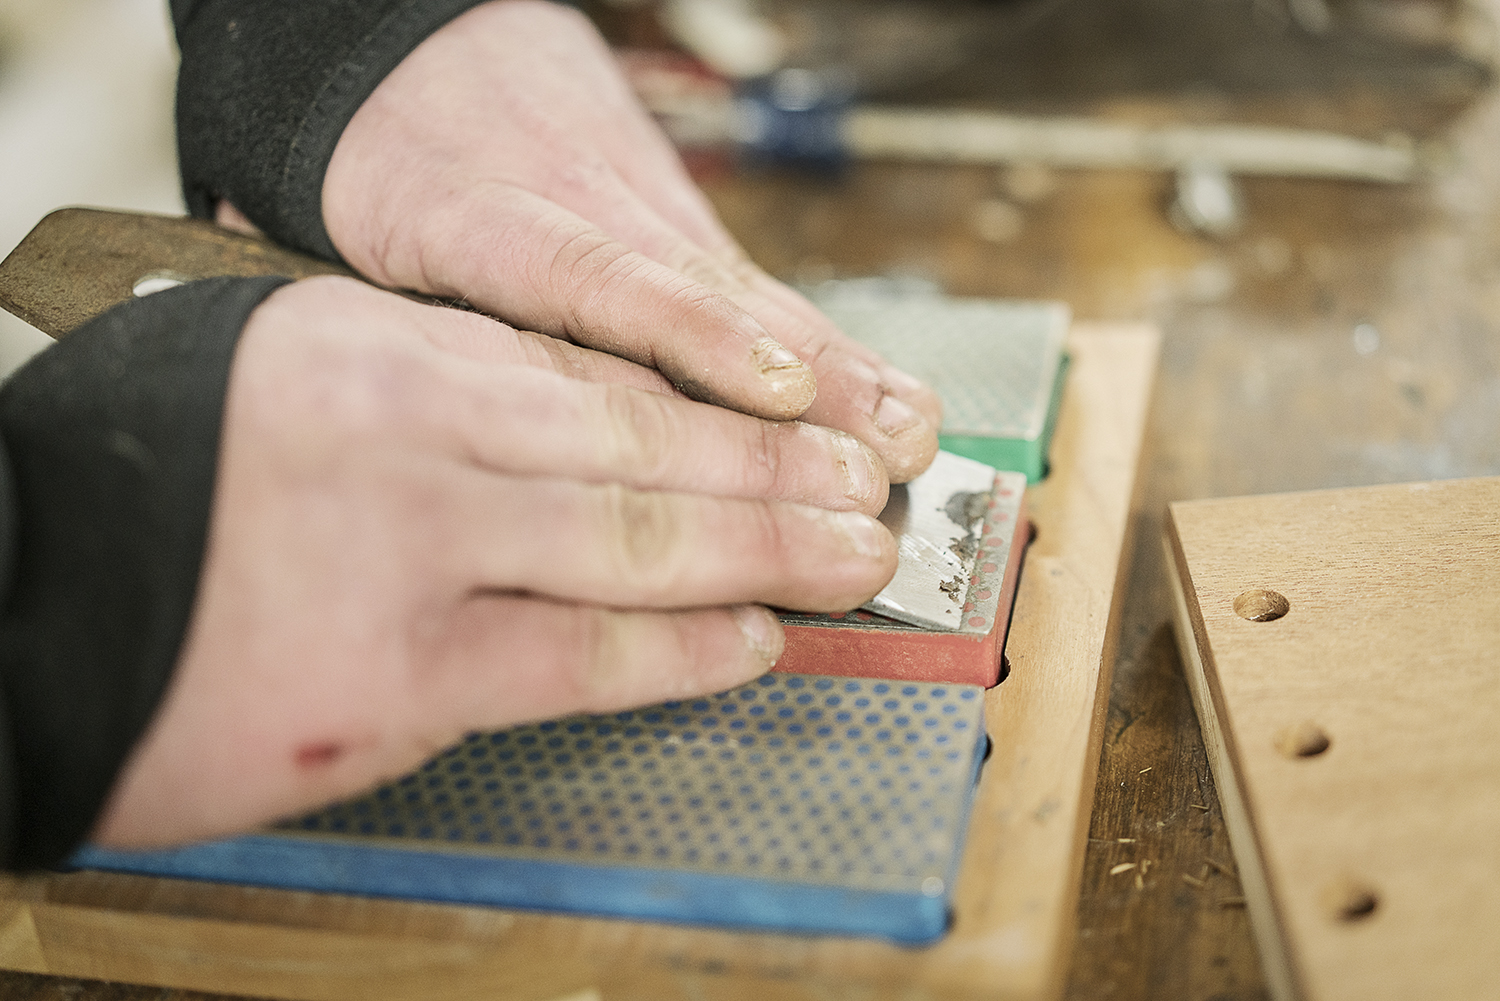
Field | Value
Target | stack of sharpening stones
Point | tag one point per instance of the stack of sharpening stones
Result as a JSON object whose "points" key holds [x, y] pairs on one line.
{"points": [[831, 796]]}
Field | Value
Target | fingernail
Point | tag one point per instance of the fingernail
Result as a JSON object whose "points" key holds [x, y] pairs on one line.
{"points": [[863, 533], [895, 415], [761, 631], [772, 356], [857, 468], [789, 381]]}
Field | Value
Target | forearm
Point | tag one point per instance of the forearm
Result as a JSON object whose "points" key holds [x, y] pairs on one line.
{"points": [[110, 442]]}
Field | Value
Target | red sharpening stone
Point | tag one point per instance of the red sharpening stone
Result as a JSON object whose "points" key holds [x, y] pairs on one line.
{"points": [[863, 644]]}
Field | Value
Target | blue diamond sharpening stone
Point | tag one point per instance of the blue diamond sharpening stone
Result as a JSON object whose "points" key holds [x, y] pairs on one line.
{"points": [[797, 803]]}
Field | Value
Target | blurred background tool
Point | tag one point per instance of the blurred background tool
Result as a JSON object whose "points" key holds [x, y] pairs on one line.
{"points": [[825, 82], [802, 116], [805, 118], [1007, 52]]}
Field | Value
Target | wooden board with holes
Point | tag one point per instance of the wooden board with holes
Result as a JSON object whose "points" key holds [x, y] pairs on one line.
{"points": [[1343, 648], [1017, 894]]}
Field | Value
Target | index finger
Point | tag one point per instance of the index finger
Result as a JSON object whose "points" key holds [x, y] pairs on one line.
{"points": [[535, 423]]}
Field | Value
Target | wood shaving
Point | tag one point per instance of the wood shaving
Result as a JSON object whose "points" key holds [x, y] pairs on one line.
{"points": [[1140, 883], [1220, 867], [1193, 881], [1124, 841], [1122, 867], [1197, 806], [1143, 771]]}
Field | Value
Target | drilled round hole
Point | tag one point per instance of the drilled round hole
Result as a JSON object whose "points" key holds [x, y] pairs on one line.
{"points": [[1260, 605], [1303, 740], [1350, 900]]}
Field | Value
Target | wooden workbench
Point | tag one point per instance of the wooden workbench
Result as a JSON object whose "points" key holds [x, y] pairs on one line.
{"points": [[1014, 903], [1263, 387], [1016, 894]]}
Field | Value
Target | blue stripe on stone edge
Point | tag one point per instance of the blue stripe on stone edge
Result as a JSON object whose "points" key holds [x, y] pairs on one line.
{"points": [[641, 893]]}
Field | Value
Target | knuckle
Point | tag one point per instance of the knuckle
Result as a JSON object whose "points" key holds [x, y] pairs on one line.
{"points": [[813, 349], [643, 535], [622, 658], [642, 434], [597, 274], [763, 459], [587, 264], [596, 654], [772, 532], [378, 390], [744, 270], [587, 173], [702, 269], [676, 656], [350, 390], [691, 297]]}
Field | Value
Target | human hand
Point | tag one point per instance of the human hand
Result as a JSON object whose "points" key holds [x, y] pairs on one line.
{"points": [[505, 161], [421, 529]]}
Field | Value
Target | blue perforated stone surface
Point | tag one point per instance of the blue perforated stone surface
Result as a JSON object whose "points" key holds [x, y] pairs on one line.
{"points": [[796, 801], [857, 782]]}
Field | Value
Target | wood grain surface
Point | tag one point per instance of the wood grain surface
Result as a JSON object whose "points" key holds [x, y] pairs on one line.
{"points": [[1346, 334], [1353, 735]]}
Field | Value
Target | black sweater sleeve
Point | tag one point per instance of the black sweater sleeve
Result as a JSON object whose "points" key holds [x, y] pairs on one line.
{"points": [[265, 90], [109, 445]]}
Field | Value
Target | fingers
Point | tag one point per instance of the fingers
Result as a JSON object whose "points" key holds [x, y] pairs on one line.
{"points": [[544, 268], [381, 366], [530, 423], [494, 396], [480, 338], [569, 278], [860, 401], [624, 548], [899, 383], [564, 658], [860, 393], [333, 299], [505, 466]]}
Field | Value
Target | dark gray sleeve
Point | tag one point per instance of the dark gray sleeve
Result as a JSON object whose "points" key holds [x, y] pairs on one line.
{"points": [[265, 90], [109, 444]]}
